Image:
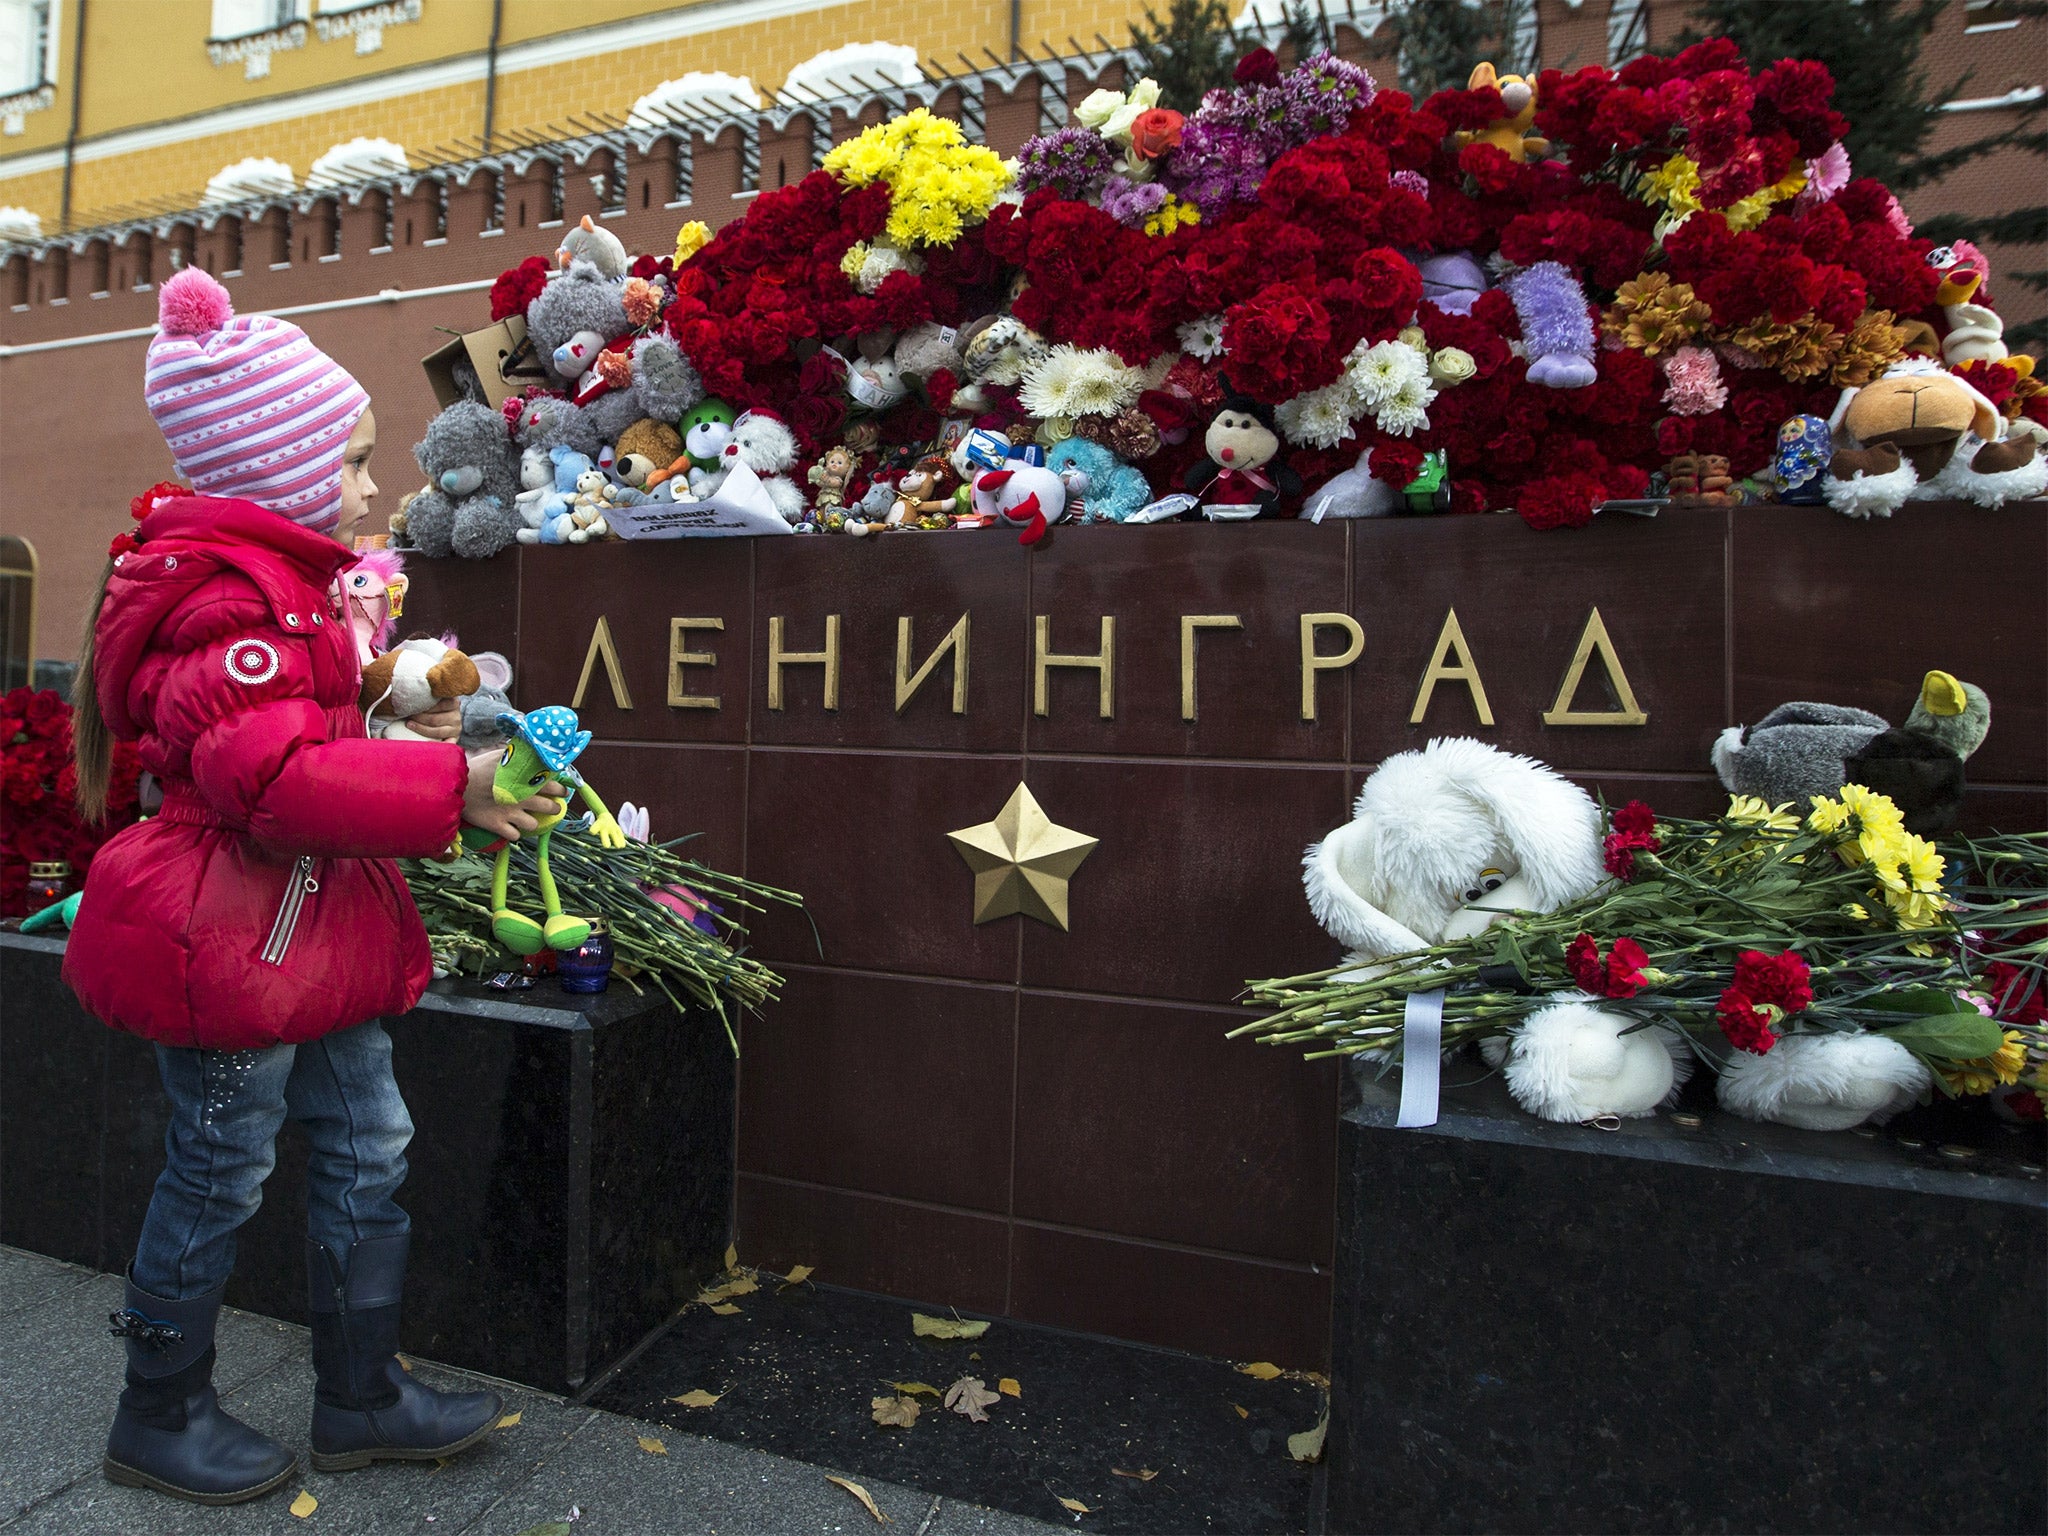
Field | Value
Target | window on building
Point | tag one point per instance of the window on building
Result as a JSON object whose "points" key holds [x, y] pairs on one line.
{"points": [[17, 612], [241, 18], [26, 57], [1993, 15]]}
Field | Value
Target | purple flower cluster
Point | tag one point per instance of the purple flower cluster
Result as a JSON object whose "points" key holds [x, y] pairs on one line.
{"points": [[1074, 162], [1236, 135], [1321, 94], [1132, 202]]}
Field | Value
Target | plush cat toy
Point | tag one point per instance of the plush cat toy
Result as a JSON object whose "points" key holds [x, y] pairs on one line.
{"points": [[544, 745]]}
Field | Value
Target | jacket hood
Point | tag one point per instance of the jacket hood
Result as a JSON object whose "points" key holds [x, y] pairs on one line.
{"points": [[186, 543]]}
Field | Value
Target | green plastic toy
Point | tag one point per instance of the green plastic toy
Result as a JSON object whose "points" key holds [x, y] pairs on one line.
{"points": [[544, 745], [1430, 490], [65, 912]]}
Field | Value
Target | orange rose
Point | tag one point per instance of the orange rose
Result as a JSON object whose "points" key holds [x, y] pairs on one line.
{"points": [[1154, 133]]}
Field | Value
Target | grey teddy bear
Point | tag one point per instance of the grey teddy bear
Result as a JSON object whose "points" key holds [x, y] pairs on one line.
{"points": [[583, 304], [472, 478], [548, 421]]}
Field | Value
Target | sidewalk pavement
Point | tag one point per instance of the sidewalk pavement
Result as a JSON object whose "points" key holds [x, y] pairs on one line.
{"points": [[561, 1462]]}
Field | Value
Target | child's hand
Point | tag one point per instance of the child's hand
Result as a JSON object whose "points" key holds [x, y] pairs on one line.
{"points": [[481, 809], [443, 722]]}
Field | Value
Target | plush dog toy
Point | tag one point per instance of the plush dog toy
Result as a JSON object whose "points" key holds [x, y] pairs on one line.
{"points": [[1446, 840], [1919, 434], [1510, 134], [543, 745], [416, 674]]}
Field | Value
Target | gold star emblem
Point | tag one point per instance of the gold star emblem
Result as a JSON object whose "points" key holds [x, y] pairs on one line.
{"points": [[1022, 862]]}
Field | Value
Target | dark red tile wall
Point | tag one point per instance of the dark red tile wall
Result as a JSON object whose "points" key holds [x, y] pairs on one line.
{"points": [[1051, 1126]]}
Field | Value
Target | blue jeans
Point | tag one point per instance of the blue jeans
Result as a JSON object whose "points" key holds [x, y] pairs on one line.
{"points": [[226, 1109]]}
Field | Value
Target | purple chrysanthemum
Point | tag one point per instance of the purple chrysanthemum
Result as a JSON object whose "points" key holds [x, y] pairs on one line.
{"points": [[1321, 94], [1132, 202], [1074, 162], [1216, 165]]}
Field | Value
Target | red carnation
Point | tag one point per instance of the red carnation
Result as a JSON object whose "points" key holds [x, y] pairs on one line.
{"points": [[1783, 980], [1635, 817], [1747, 1027], [123, 544], [141, 506], [518, 287], [1396, 463], [1619, 975], [1258, 67], [1560, 501]]}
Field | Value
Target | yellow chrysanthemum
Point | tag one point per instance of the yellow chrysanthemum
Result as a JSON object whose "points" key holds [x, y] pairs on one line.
{"points": [[1857, 910], [1827, 815], [691, 239], [1923, 866], [1755, 208], [1675, 183], [1915, 909], [938, 182], [1172, 214], [1872, 810], [1753, 810], [1983, 1073]]}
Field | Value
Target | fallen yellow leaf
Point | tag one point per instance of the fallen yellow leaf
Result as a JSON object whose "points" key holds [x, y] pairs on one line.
{"points": [[652, 1446], [304, 1504], [1076, 1506], [732, 1257], [968, 1397], [913, 1387], [1144, 1476], [799, 1275], [508, 1421], [1009, 1386], [1260, 1370], [1308, 1445], [867, 1499], [895, 1412], [725, 1309], [738, 1285], [697, 1398], [1242, 1413], [946, 1327]]}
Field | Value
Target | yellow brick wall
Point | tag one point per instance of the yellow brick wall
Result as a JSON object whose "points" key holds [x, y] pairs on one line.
{"points": [[530, 99]]}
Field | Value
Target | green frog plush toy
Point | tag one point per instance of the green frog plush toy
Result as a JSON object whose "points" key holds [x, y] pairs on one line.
{"points": [[543, 745]]}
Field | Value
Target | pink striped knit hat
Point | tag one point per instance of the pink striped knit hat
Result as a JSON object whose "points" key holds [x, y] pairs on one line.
{"points": [[250, 407]]}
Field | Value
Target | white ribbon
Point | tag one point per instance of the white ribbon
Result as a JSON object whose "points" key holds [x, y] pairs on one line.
{"points": [[1422, 1044]]}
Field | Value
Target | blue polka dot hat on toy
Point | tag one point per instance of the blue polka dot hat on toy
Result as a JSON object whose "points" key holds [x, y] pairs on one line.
{"points": [[552, 733]]}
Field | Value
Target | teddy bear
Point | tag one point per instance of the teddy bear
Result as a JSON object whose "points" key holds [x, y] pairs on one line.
{"points": [[761, 441], [1699, 480], [580, 329], [1241, 471], [1510, 134], [467, 506], [1099, 484], [645, 448], [925, 492], [872, 377], [926, 349], [600, 248], [588, 505], [557, 505], [548, 422], [705, 430], [1443, 842], [1922, 434]]}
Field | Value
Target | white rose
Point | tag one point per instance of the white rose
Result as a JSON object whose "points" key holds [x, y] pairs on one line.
{"points": [[1145, 95], [1095, 110], [1117, 128]]}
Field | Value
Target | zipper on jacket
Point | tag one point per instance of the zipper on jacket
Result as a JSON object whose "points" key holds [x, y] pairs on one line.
{"points": [[302, 885]]}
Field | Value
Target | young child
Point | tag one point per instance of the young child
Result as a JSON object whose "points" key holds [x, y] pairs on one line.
{"points": [[255, 928]]}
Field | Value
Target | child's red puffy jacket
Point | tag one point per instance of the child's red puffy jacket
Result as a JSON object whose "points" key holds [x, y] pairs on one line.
{"points": [[260, 905]]}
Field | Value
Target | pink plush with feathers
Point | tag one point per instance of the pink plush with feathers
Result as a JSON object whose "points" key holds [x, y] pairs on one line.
{"points": [[370, 605], [192, 303]]}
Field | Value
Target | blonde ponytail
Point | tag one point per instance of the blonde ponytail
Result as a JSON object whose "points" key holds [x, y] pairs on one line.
{"points": [[92, 748]]}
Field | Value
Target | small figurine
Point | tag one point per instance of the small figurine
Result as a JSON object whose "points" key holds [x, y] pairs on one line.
{"points": [[831, 475], [544, 745], [1804, 448], [1700, 480], [924, 492]]}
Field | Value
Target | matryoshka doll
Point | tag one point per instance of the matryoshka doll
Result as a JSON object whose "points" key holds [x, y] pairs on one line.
{"points": [[1804, 447]]}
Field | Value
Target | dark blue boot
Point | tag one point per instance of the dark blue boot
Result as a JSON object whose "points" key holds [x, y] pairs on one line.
{"points": [[170, 1432], [366, 1407]]}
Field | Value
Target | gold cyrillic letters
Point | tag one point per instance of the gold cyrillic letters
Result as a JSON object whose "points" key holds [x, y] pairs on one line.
{"points": [[908, 682], [601, 644], [678, 658], [778, 658], [1045, 657], [1628, 712], [1451, 638], [1189, 623], [1311, 663]]}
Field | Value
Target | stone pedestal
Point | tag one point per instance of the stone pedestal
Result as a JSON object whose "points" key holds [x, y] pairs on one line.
{"points": [[571, 1167], [1714, 1326]]}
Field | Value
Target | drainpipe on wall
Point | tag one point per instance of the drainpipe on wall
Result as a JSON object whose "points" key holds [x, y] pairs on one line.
{"points": [[491, 72], [77, 101]]}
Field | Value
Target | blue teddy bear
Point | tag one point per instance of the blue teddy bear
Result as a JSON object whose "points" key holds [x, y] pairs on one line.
{"points": [[555, 522], [1109, 489]]}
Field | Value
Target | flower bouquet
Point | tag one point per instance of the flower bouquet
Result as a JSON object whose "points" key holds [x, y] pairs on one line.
{"points": [[37, 783], [689, 949], [1738, 932]]}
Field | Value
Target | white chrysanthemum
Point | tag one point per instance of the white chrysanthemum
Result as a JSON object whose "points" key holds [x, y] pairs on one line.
{"points": [[1319, 418], [871, 265], [1203, 338], [1381, 371], [1408, 412], [1070, 382]]}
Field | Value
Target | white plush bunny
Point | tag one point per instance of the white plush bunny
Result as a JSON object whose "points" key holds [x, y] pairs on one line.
{"points": [[1445, 841]]}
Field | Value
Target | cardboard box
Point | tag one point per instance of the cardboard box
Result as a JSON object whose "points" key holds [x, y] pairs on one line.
{"points": [[503, 360]]}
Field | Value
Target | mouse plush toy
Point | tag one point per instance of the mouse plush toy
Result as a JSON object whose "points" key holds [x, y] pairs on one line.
{"points": [[1242, 470]]}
